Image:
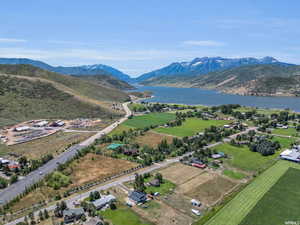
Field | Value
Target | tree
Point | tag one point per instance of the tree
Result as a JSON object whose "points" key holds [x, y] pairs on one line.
{"points": [[83, 218], [41, 216], [139, 183], [31, 216], [13, 179], [159, 177], [3, 183], [113, 206], [46, 214]]}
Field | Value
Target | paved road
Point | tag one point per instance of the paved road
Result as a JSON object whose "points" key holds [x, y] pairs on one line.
{"points": [[129, 177], [19, 187]]}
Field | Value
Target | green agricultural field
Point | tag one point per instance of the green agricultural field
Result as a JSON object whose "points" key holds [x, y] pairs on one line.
{"points": [[280, 204], [136, 107], [236, 210], [149, 119], [123, 216], [233, 174], [120, 129], [286, 132], [243, 158], [191, 126], [260, 110]]}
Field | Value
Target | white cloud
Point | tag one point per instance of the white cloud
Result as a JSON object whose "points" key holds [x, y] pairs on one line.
{"points": [[11, 40], [204, 43]]}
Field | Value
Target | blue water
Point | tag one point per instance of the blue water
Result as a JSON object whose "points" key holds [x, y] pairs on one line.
{"points": [[194, 96]]}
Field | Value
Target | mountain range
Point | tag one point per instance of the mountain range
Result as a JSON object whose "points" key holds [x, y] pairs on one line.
{"points": [[205, 65], [245, 76], [261, 80], [96, 69]]}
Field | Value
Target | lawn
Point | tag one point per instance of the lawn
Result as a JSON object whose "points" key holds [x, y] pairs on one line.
{"points": [[165, 188], [149, 119], [233, 174], [279, 204], [191, 126], [286, 132], [123, 216], [236, 210], [243, 158], [120, 129]]}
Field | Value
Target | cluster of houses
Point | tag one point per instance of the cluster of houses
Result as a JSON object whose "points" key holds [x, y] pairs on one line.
{"points": [[75, 214], [10, 164], [291, 154], [196, 162]]}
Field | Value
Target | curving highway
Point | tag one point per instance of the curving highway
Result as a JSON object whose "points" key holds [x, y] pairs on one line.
{"points": [[19, 187]]}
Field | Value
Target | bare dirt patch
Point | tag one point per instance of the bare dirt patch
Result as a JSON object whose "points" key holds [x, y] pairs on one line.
{"points": [[179, 173], [95, 167], [152, 139], [212, 190], [196, 181]]}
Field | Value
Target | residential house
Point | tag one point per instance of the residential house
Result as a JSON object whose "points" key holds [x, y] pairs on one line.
{"points": [[72, 215], [132, 152], [138, 197], [103, 201]]}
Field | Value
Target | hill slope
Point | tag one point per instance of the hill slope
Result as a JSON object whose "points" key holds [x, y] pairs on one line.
{"points": [[107, 81], [245, 80], [205, 65], [70, 70], [27, 92]]}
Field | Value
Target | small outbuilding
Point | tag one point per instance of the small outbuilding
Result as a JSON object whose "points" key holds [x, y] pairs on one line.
{"points": [[194, 202], [114, 146], [94, 221], [154, 183]]}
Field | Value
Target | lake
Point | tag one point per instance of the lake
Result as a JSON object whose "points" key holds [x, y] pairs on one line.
{"points": [[196, 96]]}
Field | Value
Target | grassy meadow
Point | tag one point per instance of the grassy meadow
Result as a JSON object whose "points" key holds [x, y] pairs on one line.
{"points": [[233, 174], [149, 119], [190, 127], [286, 132], [242, 158]]}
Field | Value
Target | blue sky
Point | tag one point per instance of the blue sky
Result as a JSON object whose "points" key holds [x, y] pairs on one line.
{"points": [[138, 36]]}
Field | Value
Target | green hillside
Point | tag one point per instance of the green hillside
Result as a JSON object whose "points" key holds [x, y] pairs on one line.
{"points": [[107, 81], [22, 99], [81, 87], [27, 92]]}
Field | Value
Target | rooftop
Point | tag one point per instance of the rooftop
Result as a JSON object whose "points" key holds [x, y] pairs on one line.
{"points": [[114, 146]]}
